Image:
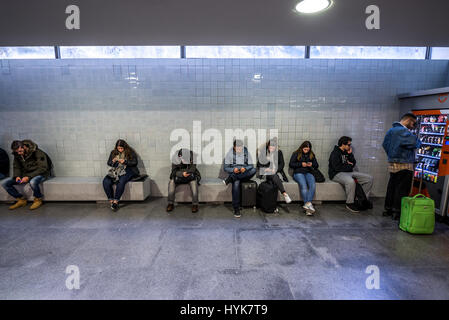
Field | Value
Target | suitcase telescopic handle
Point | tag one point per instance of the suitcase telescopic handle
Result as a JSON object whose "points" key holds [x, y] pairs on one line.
{"points": [[413, 179]]}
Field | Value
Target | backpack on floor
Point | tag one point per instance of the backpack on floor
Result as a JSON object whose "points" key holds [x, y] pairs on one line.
{"points": [[360, 200], [267, 196], [248, 193], [417, 213]]}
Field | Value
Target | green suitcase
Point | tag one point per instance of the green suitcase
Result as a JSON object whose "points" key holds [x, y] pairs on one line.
{"points": [[417, 214]]}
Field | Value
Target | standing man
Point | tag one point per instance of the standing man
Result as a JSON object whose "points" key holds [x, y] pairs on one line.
{"points": [[4, 164], [341, 170], [31, 165], [240, 167], [400, 145]]}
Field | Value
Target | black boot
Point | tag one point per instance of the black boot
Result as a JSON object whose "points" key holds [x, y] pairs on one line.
{"points": [[396, 215], [387, 212]]}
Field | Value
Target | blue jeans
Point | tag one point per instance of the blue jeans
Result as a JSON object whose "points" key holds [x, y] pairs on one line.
{"points": [[306, 185], [2, 176], [236, 178], [9, 183], [123, 180]]}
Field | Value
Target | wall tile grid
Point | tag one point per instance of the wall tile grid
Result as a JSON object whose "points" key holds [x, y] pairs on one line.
{"points": [[76, 109]]}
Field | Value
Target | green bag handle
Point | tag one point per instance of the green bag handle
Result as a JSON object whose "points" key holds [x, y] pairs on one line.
{"points": [[419, 195]]}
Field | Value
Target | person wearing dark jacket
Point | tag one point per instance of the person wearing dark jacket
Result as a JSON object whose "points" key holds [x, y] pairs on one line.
{"points": [[31, 165], [4, 164], [183, 171], [341, 170], [123, 162], [303, 162], [400, 145], [270, 164]]}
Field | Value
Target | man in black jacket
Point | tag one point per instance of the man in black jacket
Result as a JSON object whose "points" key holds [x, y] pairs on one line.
{"points": [[341, 170], [4, 164], [184, 171]]}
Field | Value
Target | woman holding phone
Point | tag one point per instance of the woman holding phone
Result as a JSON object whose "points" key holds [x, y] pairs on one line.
{"points": [[303, 161], [123, 163]]}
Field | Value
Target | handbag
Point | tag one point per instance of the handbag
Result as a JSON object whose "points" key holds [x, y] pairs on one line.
{"points": [[319, 177]]}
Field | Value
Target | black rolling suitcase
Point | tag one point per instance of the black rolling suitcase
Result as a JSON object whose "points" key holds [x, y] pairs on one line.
{"points": [[267, 196], [248, 194]]}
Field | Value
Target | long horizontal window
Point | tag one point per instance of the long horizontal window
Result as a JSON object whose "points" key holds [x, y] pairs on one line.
{"points": [[27, 52], [352, 52], [441, 53], [118, 52], [254, 52]]}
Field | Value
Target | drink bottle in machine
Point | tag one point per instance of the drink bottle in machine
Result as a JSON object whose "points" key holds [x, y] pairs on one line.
{"points": [[432, 158]]}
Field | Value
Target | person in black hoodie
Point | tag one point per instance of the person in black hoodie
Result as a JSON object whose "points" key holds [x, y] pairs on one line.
{"points": [[270, 164], [4, 164], [123, 163], [341, 170], [303, 161], [183, 171]]}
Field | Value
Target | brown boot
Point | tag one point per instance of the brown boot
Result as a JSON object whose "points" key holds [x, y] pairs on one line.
{"points": [[36, 203], [195, 208], [170, 207], [21, 202]]}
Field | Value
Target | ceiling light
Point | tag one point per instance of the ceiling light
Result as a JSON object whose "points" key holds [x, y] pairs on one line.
{"points": [[312, 6]]}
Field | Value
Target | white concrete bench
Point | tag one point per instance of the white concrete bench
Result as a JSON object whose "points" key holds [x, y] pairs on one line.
{"points": [[213, 190], [81, 189]]}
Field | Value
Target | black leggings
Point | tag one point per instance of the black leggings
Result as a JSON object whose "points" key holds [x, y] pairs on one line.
{"points": [[277, 181]]}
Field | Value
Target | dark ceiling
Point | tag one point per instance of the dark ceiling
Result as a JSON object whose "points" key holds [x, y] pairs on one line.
{"points": [[222, 22]]}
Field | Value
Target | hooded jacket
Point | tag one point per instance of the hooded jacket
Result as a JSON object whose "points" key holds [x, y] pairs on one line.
{"points": [[400, 144], [183, 161], [4, 163], [33, 163], [338, 162], [237, 160]]}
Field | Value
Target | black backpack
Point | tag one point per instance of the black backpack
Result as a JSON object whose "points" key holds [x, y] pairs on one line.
{"points": [[267, 196], [360, 199]]}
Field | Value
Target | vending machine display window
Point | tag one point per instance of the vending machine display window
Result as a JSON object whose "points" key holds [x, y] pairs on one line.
{"points": [[431, 131]]}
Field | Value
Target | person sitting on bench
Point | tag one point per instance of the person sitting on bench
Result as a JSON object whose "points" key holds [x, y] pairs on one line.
{"points": [[183, 171], [239, 165], [123, 162], [4, 164], [341, 170], [270, 165], [31, 165]]}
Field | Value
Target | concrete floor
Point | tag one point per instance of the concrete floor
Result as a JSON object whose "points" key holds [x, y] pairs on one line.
{"points": [[143, 253]]}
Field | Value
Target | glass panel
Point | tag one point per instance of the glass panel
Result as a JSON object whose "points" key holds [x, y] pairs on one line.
{"points": [[101, 52], [27, 53], [440, 53], [253, 52], [349, 52]]}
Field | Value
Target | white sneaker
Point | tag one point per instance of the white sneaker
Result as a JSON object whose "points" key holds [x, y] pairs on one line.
{"points": [[310, 207], [287, 199]]}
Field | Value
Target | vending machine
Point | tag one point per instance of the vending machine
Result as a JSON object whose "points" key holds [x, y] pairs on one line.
{"points": [[432, 158]]}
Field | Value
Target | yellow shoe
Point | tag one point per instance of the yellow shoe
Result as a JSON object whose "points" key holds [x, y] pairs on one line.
{"points": [[36, 203], [21, 202]]}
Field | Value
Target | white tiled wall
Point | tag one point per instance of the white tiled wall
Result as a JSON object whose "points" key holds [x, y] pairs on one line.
{"points": [[76, 109]]}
